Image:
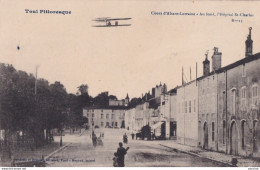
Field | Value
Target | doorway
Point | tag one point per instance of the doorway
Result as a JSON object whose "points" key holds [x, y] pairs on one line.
{"points": [[206, 136]]}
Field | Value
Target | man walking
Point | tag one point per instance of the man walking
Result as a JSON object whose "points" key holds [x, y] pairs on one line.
{"points": [[121, 152], [94, 139]]}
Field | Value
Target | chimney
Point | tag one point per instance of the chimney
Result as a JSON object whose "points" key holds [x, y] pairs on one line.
{"points": [[153, 92], [216, 59], [206, 66], [249, 44]]}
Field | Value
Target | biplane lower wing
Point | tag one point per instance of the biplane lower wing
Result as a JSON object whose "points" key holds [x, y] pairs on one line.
{"points": [[111, 25]]}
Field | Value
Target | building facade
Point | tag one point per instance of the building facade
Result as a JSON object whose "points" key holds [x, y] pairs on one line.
{"points": [[168, 113], [187, 114], [207, 103], [103, 117], [239, 107]]}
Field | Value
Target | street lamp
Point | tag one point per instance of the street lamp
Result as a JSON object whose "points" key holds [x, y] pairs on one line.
{"points": [[61, 135]]}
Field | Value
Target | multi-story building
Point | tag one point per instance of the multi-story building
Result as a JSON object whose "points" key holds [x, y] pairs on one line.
{"points": [[148, 112], [168, 113], [129, 117], [229, 105], [123, 102], [187, 113], [207, 88], [110, 116], [239, 105]]}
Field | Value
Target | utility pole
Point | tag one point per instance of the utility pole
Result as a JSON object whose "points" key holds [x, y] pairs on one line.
{"points": [[226, 117], [182, 76], [35, 98]]}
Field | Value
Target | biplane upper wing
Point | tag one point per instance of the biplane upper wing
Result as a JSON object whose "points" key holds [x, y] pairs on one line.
{"points": [[104, 19], [114, 19]]}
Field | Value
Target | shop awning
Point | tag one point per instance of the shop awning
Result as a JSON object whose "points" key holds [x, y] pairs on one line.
{"points": [[156, 125]]}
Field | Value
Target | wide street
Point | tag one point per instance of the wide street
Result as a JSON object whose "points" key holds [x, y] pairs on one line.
{"points": [[141, 153]]}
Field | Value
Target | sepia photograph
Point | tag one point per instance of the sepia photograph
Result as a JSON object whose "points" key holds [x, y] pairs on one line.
{"points": [[129, 83]]}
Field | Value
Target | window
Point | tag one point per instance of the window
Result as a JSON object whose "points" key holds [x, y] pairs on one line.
{"points": [[113, 117], [102, 115], [224, 131], [186, 105], [194, 106], [213, 131], [115, 124], [87, 115], [233, 101], [255, 95], [107, 116], [102, 124], [243, 98], [107, 124], [93, 115], [224, 102], [112, 124], [190, 106], [243, 70], [243, 133], [92, 110]]}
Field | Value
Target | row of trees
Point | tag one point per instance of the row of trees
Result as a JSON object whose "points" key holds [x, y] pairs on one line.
{"points": [[33, 106]]}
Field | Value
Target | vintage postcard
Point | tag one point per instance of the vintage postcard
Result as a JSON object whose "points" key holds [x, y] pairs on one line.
{"points": [[129, 83]]}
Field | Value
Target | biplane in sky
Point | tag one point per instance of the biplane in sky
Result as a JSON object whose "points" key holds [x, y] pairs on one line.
{"points": [[110, 22]]}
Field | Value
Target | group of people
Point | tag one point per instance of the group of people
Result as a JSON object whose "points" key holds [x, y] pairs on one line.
{"points": [[119, 156], [97, 140]]}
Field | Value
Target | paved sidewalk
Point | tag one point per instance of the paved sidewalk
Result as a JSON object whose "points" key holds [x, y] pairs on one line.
{"points": [[215, 156], [36, 155]]}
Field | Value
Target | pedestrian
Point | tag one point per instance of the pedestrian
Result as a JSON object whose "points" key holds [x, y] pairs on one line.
{"points": [[121, 152], [133, 136], [125, 138], [94, 139], [115, 161], [153, 136]]}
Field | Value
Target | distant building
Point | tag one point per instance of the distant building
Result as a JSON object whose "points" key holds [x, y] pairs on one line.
{"points": [[105, 117], [168, 113], [123, 102], [158, 90]]}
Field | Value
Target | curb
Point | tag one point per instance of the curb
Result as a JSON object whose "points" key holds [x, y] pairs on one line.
{"points": [[194, 154], [58, 150]]}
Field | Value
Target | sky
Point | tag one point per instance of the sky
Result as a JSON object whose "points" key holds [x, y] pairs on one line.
{"points": [[122, 60]]}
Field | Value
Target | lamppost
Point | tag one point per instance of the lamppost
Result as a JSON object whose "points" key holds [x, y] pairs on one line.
{"points": [[61, 135]]}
